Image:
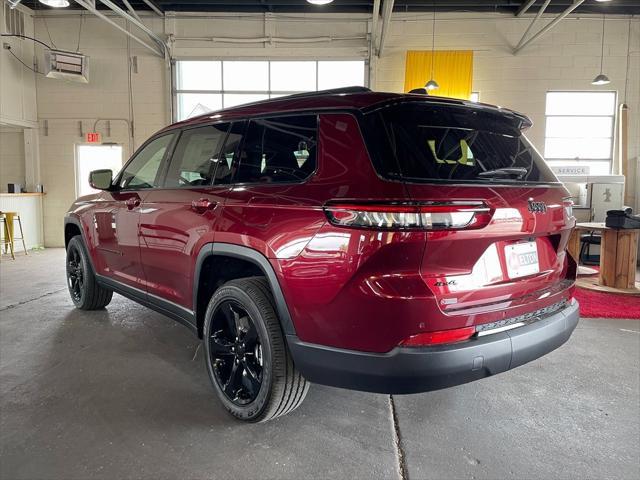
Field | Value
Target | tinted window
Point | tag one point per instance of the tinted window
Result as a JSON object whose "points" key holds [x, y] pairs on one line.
{"points": [[425, 143], [142, 171], [278, 150], [195, 156], [224, 170]]}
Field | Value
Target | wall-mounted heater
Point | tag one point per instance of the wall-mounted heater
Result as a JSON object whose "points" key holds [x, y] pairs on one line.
{"points": [[68, 66]]}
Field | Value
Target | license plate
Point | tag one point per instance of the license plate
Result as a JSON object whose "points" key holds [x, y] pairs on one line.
{"points": [[522, 259]]}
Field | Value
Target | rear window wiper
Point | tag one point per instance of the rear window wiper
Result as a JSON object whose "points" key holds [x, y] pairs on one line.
{"points": [[516, 172]]}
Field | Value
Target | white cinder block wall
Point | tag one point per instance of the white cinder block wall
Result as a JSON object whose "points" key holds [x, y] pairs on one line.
{"points": [[567, 58]]}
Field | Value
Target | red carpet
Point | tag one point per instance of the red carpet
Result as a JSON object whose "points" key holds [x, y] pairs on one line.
{"points": [[607, 305]]}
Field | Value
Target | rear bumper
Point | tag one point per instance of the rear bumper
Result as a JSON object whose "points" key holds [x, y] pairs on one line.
{"points": [[413, 370]]}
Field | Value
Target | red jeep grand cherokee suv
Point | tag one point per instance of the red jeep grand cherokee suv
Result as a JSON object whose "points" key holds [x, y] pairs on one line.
{"points": [[390, 243]]}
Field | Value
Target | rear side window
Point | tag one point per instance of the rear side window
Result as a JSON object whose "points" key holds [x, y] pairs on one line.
{"points": [[278, 150], [420, 142], [195, 156]]}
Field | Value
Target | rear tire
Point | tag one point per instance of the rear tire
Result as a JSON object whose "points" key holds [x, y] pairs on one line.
{"points": [[251, 370], [85, 292]]}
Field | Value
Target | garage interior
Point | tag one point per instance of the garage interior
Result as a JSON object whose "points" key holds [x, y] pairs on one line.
{"points": [[123, 392]]}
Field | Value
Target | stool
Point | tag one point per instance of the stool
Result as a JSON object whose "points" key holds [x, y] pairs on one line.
{"points": [[9, 239], [586, 241]]}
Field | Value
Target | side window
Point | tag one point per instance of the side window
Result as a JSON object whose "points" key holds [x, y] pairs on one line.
{"points": [[224, 171], [279, 150], [142, 171], [195, 156]]}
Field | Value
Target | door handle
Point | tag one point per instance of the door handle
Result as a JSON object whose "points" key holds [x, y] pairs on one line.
{"points": [[132, 202], [202, 205]]}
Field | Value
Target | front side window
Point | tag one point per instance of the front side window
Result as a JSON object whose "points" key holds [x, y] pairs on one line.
{"points": [[224, 169], [142, 171], [195, 156], [279, 150], [426, 143]]}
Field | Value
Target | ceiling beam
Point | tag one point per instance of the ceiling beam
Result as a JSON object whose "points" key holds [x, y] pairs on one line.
{"points": [[524, 7], [153, 7], [161, 45], [533, 22], [131, 10], [387, 11], [87, 4], [374, 26], [550, 25]]}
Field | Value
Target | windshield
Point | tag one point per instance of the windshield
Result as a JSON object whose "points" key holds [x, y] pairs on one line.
{"points": [[422, 142]]}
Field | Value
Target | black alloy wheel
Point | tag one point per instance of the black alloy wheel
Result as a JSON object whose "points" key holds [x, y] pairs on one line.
{"points": [[75, 273], [246, 354], [236, 353]]}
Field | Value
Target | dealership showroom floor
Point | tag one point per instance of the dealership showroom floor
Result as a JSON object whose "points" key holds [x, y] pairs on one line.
{"points": [[124, 392]]}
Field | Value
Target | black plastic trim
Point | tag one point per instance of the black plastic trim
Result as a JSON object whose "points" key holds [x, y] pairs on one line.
{"points": [[245, 253], [413, 370], [170, 309]]}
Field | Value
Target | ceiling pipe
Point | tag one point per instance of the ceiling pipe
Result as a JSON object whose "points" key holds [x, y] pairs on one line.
{"points": [[387, 10], [91, 8], [533, 22], [550, 25]]}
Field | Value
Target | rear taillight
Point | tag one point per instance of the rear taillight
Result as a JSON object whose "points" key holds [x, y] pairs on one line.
{"points": [[437, 338], [427, 216]]}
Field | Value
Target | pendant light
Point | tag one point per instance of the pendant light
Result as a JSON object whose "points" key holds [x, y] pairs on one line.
{"points": [[601, 78], [55, 3], [432, 84]]}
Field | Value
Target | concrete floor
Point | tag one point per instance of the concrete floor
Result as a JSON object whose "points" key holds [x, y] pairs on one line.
{"points": [[123, 393]]}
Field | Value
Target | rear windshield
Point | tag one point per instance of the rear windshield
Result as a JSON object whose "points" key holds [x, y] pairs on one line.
{"points": [[426, 143]]}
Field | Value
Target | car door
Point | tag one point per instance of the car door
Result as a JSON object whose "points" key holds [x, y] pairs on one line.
{"points": [[176, 220], [116, 217]]}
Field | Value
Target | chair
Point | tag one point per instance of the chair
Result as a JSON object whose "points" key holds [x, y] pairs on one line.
{"points": [[586, 241], [8, 218]]}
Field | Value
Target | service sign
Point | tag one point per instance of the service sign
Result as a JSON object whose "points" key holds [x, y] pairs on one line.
{"points": [[93, 137]]}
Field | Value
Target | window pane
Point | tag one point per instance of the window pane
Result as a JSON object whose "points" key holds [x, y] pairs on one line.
{"points": [[577, 148], [233, 99], [474, 97], [293, 76], [143, 169], [279, 150], [96, 157], [194, 104], [195, 156], [340, 74], [581, 103], [196, 75], [246, 76], [224, 171], [579, 127]]}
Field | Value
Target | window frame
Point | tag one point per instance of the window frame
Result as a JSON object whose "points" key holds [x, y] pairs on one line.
{"points": [[160, 174], [587, 161], [175, 91], [247, 121]]}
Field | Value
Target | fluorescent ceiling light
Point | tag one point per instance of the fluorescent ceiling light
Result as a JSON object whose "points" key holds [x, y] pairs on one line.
{"points": [[55, 3]]}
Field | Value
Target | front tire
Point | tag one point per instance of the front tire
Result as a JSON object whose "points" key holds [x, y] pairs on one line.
{"points": [[247, 358], [85, 292]]}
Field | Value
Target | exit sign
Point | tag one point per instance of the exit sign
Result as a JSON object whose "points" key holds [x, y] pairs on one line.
{"points": [[93, 137]]}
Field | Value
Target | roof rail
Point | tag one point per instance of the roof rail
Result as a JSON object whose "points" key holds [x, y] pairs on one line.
{"points": [[332, 91]]}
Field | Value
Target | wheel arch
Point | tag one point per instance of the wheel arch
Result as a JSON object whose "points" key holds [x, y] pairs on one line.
{"points": [[255, 260]]}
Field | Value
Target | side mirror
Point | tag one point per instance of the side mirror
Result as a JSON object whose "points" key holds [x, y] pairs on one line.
{"points": [[101, 179]]}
